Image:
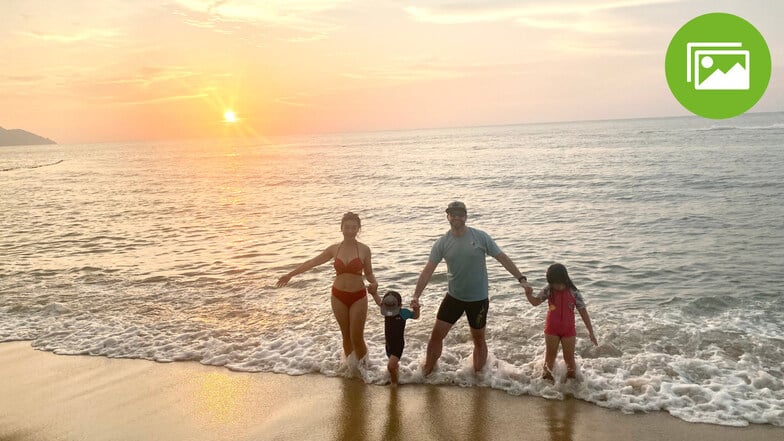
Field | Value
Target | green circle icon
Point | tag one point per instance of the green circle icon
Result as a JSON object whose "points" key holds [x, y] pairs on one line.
{"points": [[718, 65]]}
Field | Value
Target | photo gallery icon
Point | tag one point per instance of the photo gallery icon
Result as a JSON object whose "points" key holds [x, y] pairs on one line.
{"points": [[717, 66]]}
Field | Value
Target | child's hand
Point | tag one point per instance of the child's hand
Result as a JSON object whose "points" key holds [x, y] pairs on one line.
{"points": [[593, 339], [416, 310], [527, 288]]}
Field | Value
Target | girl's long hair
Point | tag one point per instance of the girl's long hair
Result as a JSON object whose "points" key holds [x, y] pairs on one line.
{"points": [[557, 273]]}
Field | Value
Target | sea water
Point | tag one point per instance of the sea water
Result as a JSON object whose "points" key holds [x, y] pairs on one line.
{"points": [[673, 229]]}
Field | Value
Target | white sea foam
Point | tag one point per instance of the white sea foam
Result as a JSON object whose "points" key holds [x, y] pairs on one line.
{"points": [[700, 383], [172, 252]]}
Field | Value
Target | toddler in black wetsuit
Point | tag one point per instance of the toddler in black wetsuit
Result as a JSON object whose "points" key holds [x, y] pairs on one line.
{"points": [[394, 328]]}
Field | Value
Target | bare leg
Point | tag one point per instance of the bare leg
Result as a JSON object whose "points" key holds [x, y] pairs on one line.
{"points": [[436, 344], [357, 318], [341, 315], [480, 348], [567, 346], [392, 367], [551, 344]]}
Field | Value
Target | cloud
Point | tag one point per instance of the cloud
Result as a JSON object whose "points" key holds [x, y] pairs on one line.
{"points": [[162, 99], [270, 11], [149, 76], [151, 84], [296, 100], [594, 49], [23, 79], [394, 73], [408, 71], [94, 35], [303, 18], [536, 14], [404, 72]]}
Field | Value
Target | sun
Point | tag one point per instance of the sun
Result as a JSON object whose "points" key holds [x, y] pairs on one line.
{"points": [[229, 116]]}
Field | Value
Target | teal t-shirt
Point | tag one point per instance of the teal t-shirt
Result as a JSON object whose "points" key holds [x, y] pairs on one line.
{"points": [[406, 314], [465, 262]]}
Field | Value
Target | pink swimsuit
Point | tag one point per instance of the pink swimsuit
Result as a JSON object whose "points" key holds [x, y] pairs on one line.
{"points": [[560, 315]]}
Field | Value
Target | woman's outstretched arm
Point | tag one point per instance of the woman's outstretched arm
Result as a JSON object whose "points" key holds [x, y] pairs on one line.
{"points": [[322, 258]]}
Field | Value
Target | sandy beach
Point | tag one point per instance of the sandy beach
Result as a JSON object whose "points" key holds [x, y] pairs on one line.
{"points": [[53, 397]]}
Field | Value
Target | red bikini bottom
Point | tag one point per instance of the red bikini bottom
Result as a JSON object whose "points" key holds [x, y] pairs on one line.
{"points": [[348, 298]]}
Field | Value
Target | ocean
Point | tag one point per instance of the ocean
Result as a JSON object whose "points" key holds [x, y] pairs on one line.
{"points": [[673, 228]]}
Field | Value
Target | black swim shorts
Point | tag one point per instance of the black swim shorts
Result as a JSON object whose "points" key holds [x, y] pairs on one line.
{"points": [[451, 309]]}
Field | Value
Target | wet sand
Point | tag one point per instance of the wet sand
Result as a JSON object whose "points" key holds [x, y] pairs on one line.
{"points": [[54, 397]]}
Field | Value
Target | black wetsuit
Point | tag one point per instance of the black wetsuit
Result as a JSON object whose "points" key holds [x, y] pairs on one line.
{"points": [[394, 328]]}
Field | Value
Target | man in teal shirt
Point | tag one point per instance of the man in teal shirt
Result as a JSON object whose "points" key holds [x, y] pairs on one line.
{"points": [[464, 250]]}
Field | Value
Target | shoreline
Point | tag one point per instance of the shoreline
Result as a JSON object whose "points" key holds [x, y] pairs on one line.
{"points": [[47, 396]]}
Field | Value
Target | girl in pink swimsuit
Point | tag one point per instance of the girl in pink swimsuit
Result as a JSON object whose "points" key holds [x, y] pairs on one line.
{"points": [[562, 298], [349, 294]]}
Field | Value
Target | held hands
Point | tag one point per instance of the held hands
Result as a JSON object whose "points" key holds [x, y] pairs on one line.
{"points": [[415, 303], [373, 290], [527, 288]]}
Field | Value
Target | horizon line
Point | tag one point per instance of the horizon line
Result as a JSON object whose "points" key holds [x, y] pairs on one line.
{"points": [[349, 132]]}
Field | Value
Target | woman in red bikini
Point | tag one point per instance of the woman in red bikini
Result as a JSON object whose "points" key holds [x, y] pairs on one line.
{"points": [[559, 329], [349, 295]]}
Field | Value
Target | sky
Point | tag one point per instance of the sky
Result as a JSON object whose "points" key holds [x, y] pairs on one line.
{"points": [[85, 71]]}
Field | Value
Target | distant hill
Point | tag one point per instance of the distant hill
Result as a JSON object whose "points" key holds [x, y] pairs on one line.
{"points": [[21, 137]]}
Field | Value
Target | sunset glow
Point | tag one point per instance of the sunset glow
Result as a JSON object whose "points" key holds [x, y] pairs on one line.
{"points": [[162, 70]]}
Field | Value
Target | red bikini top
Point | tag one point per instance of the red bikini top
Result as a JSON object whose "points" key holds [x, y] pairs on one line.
{"points": [[353, 267]]}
